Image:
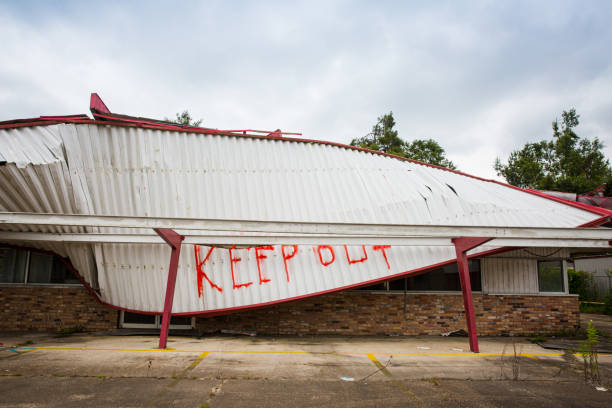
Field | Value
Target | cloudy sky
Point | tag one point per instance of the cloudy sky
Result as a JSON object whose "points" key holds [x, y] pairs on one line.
{"points": [[481, 78]]}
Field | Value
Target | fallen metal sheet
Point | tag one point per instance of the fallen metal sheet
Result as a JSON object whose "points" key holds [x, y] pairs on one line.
{"points": [[104, 169]]}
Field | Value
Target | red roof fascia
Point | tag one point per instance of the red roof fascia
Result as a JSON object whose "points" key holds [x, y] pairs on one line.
{"points": [[43, 120], [100, 111], [97, 104], [583, 206], [65, 117], [160, 124], [270, 133], [111, 117]]}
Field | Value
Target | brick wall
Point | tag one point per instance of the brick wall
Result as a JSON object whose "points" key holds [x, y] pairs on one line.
{"points": [[354, 313], [25, 308], [347, 313]]}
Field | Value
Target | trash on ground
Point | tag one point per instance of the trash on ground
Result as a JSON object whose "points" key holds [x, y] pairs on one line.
{"points": [[424, 348], [601, 388], [456, 349], [347, 378], [455, 333], [243, 332]]}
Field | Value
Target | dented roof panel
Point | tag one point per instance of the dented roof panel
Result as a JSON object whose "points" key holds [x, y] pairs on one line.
{"points": [[109, 169]]}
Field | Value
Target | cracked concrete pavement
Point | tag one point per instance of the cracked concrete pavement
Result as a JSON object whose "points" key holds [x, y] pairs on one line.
{"points": [[219, 371]]}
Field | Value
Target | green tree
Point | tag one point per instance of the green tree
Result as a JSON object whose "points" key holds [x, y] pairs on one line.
{"points": [[427, 151], [566, 163], [385, 139], [382, 137], [184, 118]]}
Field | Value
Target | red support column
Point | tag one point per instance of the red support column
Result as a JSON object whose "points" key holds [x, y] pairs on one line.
{"points": [[462, 245], [174, 240]]}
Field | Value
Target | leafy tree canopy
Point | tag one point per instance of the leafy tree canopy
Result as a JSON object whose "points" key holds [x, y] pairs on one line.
{"points": [[385, 139], [566, 163], [184, 118], [428, 151]]}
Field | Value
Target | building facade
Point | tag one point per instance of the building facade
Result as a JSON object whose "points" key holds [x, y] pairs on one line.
{"points": [[520, 292], [281, 235]]}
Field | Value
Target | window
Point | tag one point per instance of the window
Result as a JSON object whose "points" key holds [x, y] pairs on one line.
{"points": [[550, 276], [23, 266], [443, 279], [143, 321], [12, 265]]}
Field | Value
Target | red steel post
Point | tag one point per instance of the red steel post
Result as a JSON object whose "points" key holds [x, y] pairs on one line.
{"points": [[174, 240], [462, 245]]}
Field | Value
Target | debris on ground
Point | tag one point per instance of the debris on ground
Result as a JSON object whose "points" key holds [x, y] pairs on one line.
{"points": [[423, 348], [455, 333], [604, 346], [242, 332], [347, 378]]}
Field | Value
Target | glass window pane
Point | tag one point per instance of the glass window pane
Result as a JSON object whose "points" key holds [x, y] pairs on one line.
{"points": [[180, 321], [41, 266], [378, 287], [397, 285], [138, 318], [61, 273], [446, 278], [12, 265], [46, 268], [475, 278], [550, 276]]}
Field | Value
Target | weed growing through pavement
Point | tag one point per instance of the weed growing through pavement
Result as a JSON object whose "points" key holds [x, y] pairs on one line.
{"points": [[588, 350], [67, 331], [434, 381], [515, 361]]}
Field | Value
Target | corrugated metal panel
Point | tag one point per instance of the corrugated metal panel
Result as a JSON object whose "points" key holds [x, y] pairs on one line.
{"points": [[135, 276], [507, 275], [600, 268], [517, 271], [160, 173], [36, 179], [111, 170], [536, 253], [597, 266]]}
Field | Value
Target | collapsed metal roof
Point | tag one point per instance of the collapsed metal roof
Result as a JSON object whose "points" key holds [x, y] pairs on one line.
{"points": [[121, 166]]}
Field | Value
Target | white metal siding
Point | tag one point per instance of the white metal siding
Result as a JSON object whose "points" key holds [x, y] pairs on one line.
{"points": [[111, 170], [600, 269], [596, 266], [505, 275], [517, 271]]}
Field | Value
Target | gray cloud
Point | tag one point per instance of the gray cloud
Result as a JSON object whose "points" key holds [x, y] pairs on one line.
{"points": [[482, 79]]}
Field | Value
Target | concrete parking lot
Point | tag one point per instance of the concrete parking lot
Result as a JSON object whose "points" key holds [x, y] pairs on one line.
{"points": [[223, 371]]}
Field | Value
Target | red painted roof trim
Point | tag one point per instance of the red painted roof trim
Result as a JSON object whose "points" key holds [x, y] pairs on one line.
{"points": [[42, 120], [97, 104], [175, 126]]}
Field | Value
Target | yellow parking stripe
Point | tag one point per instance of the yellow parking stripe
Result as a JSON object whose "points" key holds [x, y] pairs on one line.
{"points": [[197, 360], [528, 355], [378, 365]]}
